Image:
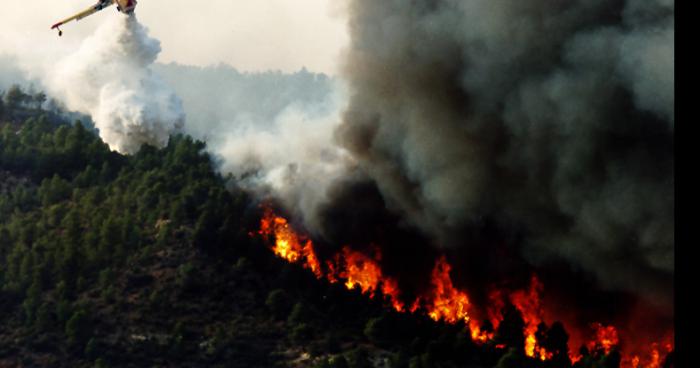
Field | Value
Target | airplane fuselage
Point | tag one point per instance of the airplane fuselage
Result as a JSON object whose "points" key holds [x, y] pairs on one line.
{"points": [[124, 6]]}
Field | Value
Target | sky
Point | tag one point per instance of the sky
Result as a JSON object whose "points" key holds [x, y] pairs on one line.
{"points": [[283, 35]]}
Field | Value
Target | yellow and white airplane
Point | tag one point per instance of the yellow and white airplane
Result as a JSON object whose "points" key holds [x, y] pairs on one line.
{"points": [[124, 6]]}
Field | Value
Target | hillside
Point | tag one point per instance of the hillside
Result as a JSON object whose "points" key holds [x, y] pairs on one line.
{"points": [[152, 260]]}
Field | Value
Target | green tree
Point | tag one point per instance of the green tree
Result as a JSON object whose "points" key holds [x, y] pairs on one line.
{"points": [[63, 310], [32, 301], [177, 212], [339, 361], [15, 96], [415, 362], [510, 331], [38, 99], [556, 341], [279, 303], [78, 328], [44, 319], [101, 363], [91, 349], [359, 358], [611, 360], [323, 363], [300, 314], [187, 276], [512, 359], [69, 263], [27, 267], [177, 340], [111, 241], [301, 333], [380, 330], [54, 190], [206, 230]]}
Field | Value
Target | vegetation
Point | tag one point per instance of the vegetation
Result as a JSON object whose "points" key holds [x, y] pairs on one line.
{"points": [[145, 260]]}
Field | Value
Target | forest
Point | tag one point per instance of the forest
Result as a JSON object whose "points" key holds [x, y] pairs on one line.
{"points": [[147, 260]]}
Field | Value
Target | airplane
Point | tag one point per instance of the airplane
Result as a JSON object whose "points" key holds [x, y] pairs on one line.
{"points": [[124, 6]]}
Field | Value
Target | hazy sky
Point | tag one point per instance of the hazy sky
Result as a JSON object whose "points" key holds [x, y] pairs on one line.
{"points": [[249, 35]]}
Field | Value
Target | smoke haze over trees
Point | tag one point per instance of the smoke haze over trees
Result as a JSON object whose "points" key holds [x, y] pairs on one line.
{"points": [[535, 137], [220, 99], [146, 259], [549, 124]]}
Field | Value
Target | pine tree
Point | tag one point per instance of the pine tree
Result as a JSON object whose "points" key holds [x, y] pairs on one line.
{"points": [[77, 328]]}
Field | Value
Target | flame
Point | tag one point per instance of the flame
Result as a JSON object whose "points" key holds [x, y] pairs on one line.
{"points": [[448, 303], [652, 359], [390, 288], [635, 362], [360, 271], [357, 269], [311, 261], [288, 245], [478, 335], [443, 301], [606, 338], [528, 303], [364, 272]]}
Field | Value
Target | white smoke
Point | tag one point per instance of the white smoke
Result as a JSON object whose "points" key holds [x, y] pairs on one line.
{"points": [[273, 132], [292, 158], [110, 78]]}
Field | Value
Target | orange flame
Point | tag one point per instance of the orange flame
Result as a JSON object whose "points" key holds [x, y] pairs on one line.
{"points": [[357, 269], [360, 271], [652, 358], [478, 335], [448, 303], [288, 245], [635, 362], [606, 338], [364, 272], [528, 303], [443, 301]]}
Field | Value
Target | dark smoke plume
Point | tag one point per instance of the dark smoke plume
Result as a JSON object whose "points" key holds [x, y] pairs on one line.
{"points": [[545, 128]]}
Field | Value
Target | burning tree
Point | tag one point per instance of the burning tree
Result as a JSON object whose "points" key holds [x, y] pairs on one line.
{"points": [[516, 324]]}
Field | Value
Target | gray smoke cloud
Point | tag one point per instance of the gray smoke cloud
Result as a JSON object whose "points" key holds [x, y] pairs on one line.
{"points": [[110, 78], [552, 118]]}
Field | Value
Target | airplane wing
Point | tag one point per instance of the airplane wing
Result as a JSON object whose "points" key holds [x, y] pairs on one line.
{"points": [[87, 12]]}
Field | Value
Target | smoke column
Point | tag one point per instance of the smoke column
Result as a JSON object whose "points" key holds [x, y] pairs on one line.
{"points": [[110, 78], [545, 127]]}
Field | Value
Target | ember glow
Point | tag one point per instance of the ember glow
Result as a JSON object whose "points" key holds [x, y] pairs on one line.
{"points": [[444, 302]]}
